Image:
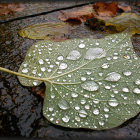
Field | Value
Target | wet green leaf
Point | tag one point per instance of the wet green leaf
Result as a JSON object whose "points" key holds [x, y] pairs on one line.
{"points": [[124, 21], [45, 31], [90, 83]]}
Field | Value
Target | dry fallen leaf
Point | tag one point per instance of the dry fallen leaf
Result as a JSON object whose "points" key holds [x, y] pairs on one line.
{"points": [[11, 8], [81, 14], [105, 10]]}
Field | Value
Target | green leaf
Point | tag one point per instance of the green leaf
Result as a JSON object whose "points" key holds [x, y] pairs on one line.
{"points": [[45, 30], [124, 21], [90, 83]]}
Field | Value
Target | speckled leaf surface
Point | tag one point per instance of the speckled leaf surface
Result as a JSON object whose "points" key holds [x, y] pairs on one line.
{"points": [[90, 83]]}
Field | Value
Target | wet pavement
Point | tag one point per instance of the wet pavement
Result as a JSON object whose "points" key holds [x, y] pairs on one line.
{"points": [[20, 108]]}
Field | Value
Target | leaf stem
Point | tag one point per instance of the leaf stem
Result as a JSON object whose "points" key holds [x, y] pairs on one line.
{"points": [[22, 75]]}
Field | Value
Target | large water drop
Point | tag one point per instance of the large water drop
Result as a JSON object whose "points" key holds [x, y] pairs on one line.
{"points": [[63, 66], [74, 55], [90, 86], [94, 53], [63, 105], [65, 119], [113, 102], [82, 113], [113, 77]]}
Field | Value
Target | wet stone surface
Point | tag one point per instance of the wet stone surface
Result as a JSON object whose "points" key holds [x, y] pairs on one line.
{"points": [[21, 109]]}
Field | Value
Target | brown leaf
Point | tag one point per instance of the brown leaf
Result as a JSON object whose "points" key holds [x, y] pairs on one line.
{"points": [[11, 8], [39, 91], [81, 14], [106, 10]]}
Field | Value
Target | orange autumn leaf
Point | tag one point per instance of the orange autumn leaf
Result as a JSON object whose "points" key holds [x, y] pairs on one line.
{"points": [[8, 8], [81, 14], [105, 10]]}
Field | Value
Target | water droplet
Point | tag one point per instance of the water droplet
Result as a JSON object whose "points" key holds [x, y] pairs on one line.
{"points": [[69, 75], [35, 83], [126, 56], [115, 57], [77, 118], [136, 90], [138, 102], [82, 113], [125, 90], [60, 58], [137, 82], [88, 72], [51, 119], [113, 102], [77, 107], [101, 123], [74, 55], [25, 65], [65, 119], [50, 109], [25, 70], [87, 106], [108, 58], [107, 87], [63, 105], [97, 43], [96, 111], [81, 45], [105, 66], [34, 71], [127, 73], [96, 101], [90, 86], [83, 78], [83, 101], [39, 74], [94, 53], [74, 95], [43, 69], [51, 66], [63, 66], [41, 61], [106, 116], [106, 109], [49, 70], [113, 77], [52, 95]]}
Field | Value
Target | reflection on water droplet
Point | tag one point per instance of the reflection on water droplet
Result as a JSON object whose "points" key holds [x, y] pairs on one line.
{"points": [[43, 69], [50, 109], [137, 82], [105, 66], [113, 102], [81, 45], [113, 77], [65, 119], [136, 90], [106, 109], [25, 70], [101, 123], [69, 75], [35, 83], [51, 119], [63, 105], [87, 106], [83, 101], [63, 66], [97, 43], [52, 95], [82, 113], [25, 65], [77, 107], [96, 101], [60, 58], [96, 111], [74, 95], [138, 102], [83, 78], [74, 55], [127, 73], [125, 90], [106, 116], [77, 118], [94, 53], [90, 86], [41, 61], [88, 72], [107, 87], [34, 71]]}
